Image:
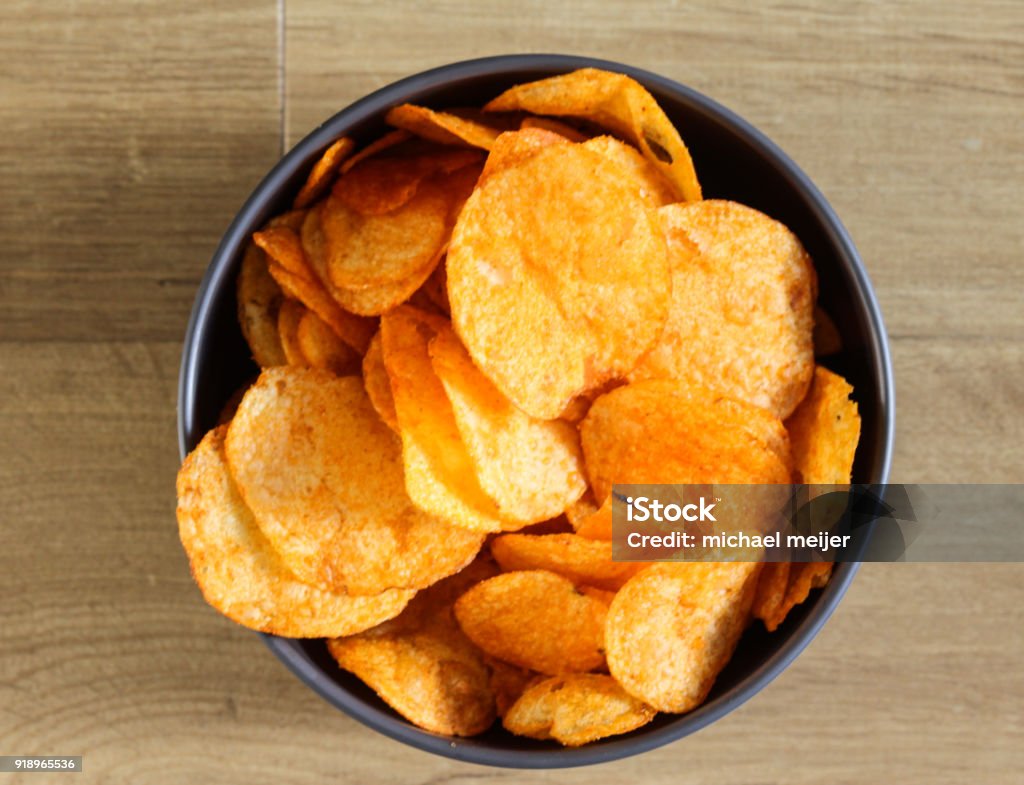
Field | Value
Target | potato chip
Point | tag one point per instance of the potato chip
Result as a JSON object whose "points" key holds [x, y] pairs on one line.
{"points": [[741, 318], [585, 562], [663, 431], [653, 189], [421, 663], [803, 576], [323, 349], [771, 592], [536, 620], [323, 477], [514, 147], [555, 126], [508, 682], [389, 140], [618, 103], [436, 289], [378, 385], [673, 627], [240, 574], [824, 431], [443, 127], [557, 276], [283, 247], [439, 474], [369, 301], [597, 525], [827, 340], [259, 298], [576, 709], [323, 172], [532, 469], [289, 315]]}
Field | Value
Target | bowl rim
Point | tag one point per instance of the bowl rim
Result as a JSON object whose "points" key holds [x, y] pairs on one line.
{"points": [[374, 104]]}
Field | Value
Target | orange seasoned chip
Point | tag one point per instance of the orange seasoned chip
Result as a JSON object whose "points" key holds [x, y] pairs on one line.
{"points": [[376, 147], [259, 299], [439, 474], [514, 147], [436, 289], [536, 620], [741, 317], [323, 477], [289, 315], [323, 349], [664, 431], [242, 576], [618, 103], [803, 576], [421, 663], [585, 562], [576, 709], [824, 431], [378, 385], [508, 682], [598, 524], [557, 276], [443, 127], [532, 469], [555, 126], [673, 627], [771, 592], [652, 187], [283, 247], [323, 172]]}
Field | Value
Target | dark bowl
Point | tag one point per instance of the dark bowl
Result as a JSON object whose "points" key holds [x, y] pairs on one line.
{"points": [[735, 161]]}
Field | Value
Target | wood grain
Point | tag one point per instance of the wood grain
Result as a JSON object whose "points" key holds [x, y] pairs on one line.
{"points": [[132, 133]]}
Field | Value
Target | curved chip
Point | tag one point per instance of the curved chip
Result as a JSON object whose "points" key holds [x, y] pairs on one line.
{"points": [[514, 147], [282, 245], [741, 319], [378, 385], [442, 127], [532, 469], [557, 276], [389, 140], [439, 474], [652, 187], [586, 562], [824, 431], [598, 524], [289, 316], [323, 171], [259, 298], [673, 627], [323, 349], [536, 620], [576, 709], [240, 574], [323, 477], [618, 103], [664, 431], [555, 126]]}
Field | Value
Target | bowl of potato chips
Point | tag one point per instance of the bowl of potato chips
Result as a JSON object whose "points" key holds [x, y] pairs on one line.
{"points": [[438, 333]]}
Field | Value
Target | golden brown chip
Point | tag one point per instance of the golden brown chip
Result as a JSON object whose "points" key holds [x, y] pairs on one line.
{"points": [[259, 298], [673, 627], [282, 246], [741, 317], [514, 147], [803, 576], [242, 576], [289, 315], [576, 709], [378, 386], [443, 127], [536, 620], [824, 431], [323, 172], [323, 477], [618, 103], [421, 663], [585, 562], [663, 431], [652, 187], [508, 682], [323, 349], [555, 126], [532, 469], [771, 592], [439, 474], [557, 276]]}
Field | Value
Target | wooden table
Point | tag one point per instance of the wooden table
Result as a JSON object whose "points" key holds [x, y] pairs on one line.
{"points": [[131, 132]]}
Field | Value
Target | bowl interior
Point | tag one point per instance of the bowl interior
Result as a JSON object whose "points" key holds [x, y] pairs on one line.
{"points": [[733, 161]]}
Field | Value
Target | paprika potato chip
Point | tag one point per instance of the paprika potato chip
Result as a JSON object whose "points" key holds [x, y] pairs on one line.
{"points": [[442, 127], [576, 709], [663, 431], [259, 299], [323, 172], [514, 147], [535, 620], [289, 315], [741, 317], [673, 627], [323, 477], [583, 561], [555, 126], [241, 575], [824, 431], [378, 385], [771, 594], [651, 186], [283, 247], [389, 140], [508, 682], [556, 287], [618, 103], [323, 349], [532, 469]]}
